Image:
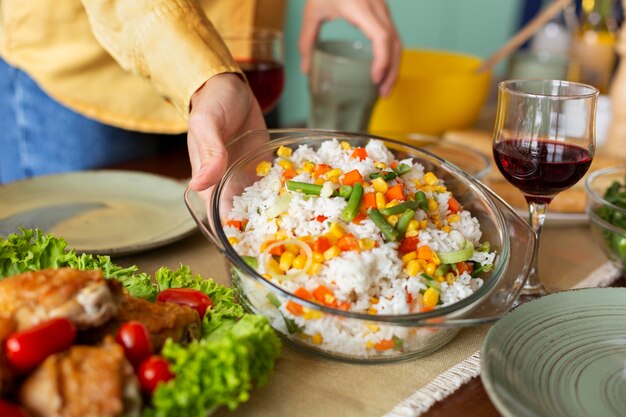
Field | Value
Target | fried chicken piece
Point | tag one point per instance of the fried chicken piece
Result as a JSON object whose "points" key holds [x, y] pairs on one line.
{"points": [[7, 326], [84, 297], [84, 381]]}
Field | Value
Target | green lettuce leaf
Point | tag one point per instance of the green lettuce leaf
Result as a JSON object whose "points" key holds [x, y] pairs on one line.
{"points": [[236, 349]]}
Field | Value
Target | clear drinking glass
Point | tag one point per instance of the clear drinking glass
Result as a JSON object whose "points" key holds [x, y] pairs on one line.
{"points": [[260, 55], [543, 143]]}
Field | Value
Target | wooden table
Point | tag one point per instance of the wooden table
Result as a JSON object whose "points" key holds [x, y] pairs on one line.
{"points": [[470, 400]]}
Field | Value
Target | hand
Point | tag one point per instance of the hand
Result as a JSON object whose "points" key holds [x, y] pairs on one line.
{"points": [[373, 18], [221, 109]]}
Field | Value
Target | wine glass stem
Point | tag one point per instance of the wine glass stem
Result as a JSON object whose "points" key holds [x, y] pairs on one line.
{"points": [[533, 285]]}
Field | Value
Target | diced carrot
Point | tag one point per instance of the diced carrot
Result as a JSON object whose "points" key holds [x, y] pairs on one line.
{"points": [[395, 193], [294, 308], [425, 309], [369, 201], [289, 173], [464, 267], [408, 244], [359, 218], [454, 205], [393, 165], [324, 296], [303, 293], [321, 169], [321, 218], [321, 244], [359, 153], [409, 298], [343, 305], [384, 345], [237, 224], [277, 250], [348, 242], [349, 178]]}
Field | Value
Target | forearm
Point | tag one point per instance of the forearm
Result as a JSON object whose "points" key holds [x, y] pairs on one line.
{"points": [[170, 42]]}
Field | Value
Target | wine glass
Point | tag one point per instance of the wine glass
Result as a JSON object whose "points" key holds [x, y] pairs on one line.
{"points": [[260, 55], [543, 143]]}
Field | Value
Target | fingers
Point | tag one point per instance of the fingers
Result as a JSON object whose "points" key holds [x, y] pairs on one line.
{"points": [[208, 157], [395, 46], [311, 22]]}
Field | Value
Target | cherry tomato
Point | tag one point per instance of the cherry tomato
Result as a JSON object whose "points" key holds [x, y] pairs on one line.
{"points": [[153, 371], [27, 349], [135, 339], [186, 296], [8, 409]]}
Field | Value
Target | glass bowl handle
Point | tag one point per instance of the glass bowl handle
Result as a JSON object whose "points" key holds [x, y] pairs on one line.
{"points": [[196, 207]]}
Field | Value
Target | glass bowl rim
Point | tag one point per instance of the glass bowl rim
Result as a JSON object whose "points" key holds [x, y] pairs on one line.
{"points": [[507, 87], [398, 319], [595, 196]]}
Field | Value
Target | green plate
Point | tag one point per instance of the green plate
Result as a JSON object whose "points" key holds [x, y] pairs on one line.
{"points": [[103, 212], [560, 355]]}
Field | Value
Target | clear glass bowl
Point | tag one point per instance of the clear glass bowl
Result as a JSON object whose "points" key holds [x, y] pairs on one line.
{"points": [[509, 235], [609, 235]]}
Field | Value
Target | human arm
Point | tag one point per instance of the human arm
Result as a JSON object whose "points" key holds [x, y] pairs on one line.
{"points": [[373, 18]]}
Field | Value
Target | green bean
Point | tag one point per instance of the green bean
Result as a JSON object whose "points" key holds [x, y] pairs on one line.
{"points": [[400, 208], [352, 208], [390, 234], [403, 221], [252, 261], [304, 187], [421, 199], [345, 191], [442, 270], [386, 175], [402, 169]]}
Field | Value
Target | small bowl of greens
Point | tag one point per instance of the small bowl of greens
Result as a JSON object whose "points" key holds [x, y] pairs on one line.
{"points": [[606, 208]]}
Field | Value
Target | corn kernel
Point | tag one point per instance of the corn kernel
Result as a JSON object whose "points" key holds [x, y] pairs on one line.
{"points": [[308, 167], [430, 178], [366, 243], [450, 277], [440, 189], [283, 151], [409, 257], [299, 262], [392, 203], [438, 224], [413, 268], [432, 204], [336, 230], [274, 266], [423, 224], [422, 263], [266, 276], [369, 344], [233, 240], [446, 229], [441, 278], [380, 165], [281, 235], [332, 252], [425, 253], [263, 168], [286, 165], [319, 181], [318, 257], [427, 188], [372, 311], [411, 233], [286, 259], [333, 173], [392, 220], [435, 259], [453, 218], [314, 268], [381, 201], [293, 248], [345, 145], [374, 328], [279, 221], [413, 225], [380, 185], [418, 183], [430, 268], [317, 339], [431, 297], [374, 300], [332, 239], [311, 314]]}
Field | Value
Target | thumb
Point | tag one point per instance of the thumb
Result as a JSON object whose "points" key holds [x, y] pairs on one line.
{"points": [[209, 160]]}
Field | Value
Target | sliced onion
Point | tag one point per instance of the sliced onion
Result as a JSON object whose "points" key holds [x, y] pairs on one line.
{"points": [[460, 255], [281, 205], [307, 251]]}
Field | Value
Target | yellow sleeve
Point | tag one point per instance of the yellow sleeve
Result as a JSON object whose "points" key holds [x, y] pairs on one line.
{"points": [[170, 42]]}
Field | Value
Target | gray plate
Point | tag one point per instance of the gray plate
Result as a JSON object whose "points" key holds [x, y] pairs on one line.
{"points": [[102, 212], [560, 355]]}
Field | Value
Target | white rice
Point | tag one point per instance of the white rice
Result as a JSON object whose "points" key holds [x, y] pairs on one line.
{"points": [[371, 280]]}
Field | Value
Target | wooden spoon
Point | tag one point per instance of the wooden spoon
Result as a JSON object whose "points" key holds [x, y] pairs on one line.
{"points": [[524, 34]]}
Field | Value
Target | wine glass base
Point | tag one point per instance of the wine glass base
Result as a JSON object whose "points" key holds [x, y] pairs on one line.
{"points": [[530, 293]]}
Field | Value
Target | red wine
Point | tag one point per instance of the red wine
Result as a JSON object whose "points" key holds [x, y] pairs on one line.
{"points": [[266, 80], [541, 168]]}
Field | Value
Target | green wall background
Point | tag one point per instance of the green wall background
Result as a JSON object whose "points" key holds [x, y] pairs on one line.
{"points": [[475, 27]]}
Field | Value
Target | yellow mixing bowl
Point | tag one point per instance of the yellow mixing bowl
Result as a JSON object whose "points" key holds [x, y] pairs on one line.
{"points": [[436, 91]]}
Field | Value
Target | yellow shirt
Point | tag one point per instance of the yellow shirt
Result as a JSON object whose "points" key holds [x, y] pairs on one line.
{"points": [[133, 64]]}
